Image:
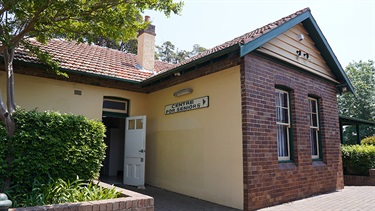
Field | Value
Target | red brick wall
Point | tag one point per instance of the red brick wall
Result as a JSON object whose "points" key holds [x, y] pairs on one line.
{"points": [[266, 181], [361, 180]]}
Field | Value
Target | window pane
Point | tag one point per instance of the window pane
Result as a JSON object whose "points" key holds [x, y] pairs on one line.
{"points": [[278, 114], [277, 99], [131, 125], [139, 123], [314, 120], [114, 105], [282, 115], [313, 106], [282, 141], [285, 116], [285, 100], [314, 141]]}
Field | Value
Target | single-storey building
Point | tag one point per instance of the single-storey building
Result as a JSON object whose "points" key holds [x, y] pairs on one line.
{"points": [[250, 123]]}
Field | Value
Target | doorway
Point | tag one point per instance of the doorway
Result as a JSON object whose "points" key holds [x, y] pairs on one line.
{"points": [[115, 111], [115, 135]]}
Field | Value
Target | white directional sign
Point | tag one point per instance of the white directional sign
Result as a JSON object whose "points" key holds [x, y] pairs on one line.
{"points": [[188, 105]]}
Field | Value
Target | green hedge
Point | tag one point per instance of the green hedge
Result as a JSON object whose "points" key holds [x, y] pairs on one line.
{"points": [[50, 145], [358, 159], [368, 141]]}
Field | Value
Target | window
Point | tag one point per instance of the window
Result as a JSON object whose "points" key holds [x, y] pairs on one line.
{"points": [[314, 128], [283, 125], [117, 105]]}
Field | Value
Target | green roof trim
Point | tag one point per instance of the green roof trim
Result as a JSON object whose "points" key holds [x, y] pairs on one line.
{"points": [[345, 120], [316, 35], [327, 53], [256, 43]]}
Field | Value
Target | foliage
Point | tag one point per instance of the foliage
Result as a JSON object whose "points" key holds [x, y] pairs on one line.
{"points": [[51, 145], [83, 21], [59, 191], [362, 76], [358, 159], [168, 52], [368, 141], [130, 46]]}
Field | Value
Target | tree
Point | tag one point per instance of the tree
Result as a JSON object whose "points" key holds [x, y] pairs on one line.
{"points": [[362, 76], [167, 53], [130, 46], [181, 55], [197, 49], [82, 21]]}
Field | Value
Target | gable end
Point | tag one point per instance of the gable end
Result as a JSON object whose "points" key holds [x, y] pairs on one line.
{"points": [[315, 34]]}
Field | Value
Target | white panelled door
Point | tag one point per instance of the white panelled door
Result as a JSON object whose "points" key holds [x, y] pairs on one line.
{"points": [[135, 151]]}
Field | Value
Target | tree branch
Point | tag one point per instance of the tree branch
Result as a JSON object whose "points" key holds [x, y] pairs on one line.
{"points": [[2, 10], [29, 26], [8, 59], [7, 119]]}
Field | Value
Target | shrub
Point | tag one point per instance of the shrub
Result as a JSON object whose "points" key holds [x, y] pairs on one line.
{"points": [[358, 159], [52, 145], [368, 141], [60, 191]]}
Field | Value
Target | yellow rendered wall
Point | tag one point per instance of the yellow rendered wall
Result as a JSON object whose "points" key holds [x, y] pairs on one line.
{"points": [[47, 94], [199, 152]]}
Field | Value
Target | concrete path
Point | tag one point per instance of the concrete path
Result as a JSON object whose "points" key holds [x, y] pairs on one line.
{"points": [[352, 198], [169, 201]]}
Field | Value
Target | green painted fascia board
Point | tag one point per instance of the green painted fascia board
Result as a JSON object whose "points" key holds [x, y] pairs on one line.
{"points": [[326, 51], [78, 72], [316, 35], [193, 63], [256, 43]]}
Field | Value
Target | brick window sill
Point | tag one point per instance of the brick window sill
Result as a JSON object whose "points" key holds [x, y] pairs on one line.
{"points": [[318, 164], [287, 166]]}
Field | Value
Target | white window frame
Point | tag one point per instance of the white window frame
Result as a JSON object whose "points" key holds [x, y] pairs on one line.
{"points": [[316, 128], [284, 158], [125, 111]]}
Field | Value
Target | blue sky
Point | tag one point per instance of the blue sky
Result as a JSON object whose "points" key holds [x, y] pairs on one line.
{"points": [[348, 25]]}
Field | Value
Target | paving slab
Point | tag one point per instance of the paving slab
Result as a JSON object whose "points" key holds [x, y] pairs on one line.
{"points": [[351, 198]]}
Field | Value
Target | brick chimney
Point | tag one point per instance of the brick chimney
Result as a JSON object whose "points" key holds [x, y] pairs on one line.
{"points": [[146, 47]]}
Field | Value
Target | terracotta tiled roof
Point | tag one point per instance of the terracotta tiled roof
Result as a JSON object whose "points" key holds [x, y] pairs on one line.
{"points": [[92, 59], [108, 62]]}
